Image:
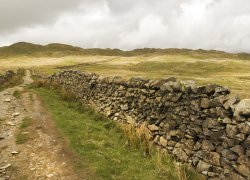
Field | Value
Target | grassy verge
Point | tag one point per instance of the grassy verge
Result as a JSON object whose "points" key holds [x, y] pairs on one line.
{"points": [[15, 80], [105, 146]]}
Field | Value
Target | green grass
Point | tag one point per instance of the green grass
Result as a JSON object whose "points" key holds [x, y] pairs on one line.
{"points": [[21, 136], [17, 94], [26, 122], [101, 142]]}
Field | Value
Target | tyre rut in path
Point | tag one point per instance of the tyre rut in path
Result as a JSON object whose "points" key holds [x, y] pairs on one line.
{"points": [[45, 154]]}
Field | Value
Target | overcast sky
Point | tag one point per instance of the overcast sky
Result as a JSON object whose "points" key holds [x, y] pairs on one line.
{"points": [[128, 24]]}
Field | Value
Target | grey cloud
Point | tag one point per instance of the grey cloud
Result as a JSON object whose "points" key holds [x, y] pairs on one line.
{"points": [[20, 13], [128, 24]]}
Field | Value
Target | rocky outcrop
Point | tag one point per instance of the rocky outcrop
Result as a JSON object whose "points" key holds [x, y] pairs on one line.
{"points": [[199, 125]]}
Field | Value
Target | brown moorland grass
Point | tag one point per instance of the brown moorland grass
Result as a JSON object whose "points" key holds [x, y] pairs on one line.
{"points": [[206, 67]]}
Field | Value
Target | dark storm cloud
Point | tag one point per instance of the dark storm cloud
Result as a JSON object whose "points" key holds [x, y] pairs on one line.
{"points": [[128, 24], [19, 13]]}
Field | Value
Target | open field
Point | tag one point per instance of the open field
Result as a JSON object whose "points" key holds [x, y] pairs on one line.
{"points": [[231, 72]]}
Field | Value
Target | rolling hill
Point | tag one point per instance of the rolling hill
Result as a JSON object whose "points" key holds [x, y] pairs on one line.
{"points": [[61, 50]]}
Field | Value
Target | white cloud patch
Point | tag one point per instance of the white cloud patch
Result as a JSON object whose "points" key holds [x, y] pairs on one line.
{"points": [[128, 24], [149, 33]]}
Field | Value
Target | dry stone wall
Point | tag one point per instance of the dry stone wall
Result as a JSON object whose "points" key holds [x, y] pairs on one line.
{"points": [[199, 125], [6, 76]]}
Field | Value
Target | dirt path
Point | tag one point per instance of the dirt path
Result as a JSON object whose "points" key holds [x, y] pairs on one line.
{"points": [[42, 154]]}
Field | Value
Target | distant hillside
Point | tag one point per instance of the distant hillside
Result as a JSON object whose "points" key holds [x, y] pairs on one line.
{"points": [[61, 50]]}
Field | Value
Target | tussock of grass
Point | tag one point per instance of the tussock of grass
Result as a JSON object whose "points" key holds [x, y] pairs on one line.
{"points": [[17, 94], [105, 145], [26, 122], [137, 137], [21, 136], [39, 83]]}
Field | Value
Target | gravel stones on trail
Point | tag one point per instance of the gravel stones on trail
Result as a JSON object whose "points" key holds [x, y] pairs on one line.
{"points": [[7, 100], [16, 114], [5, 167], [8, 126], [42, 156]]}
